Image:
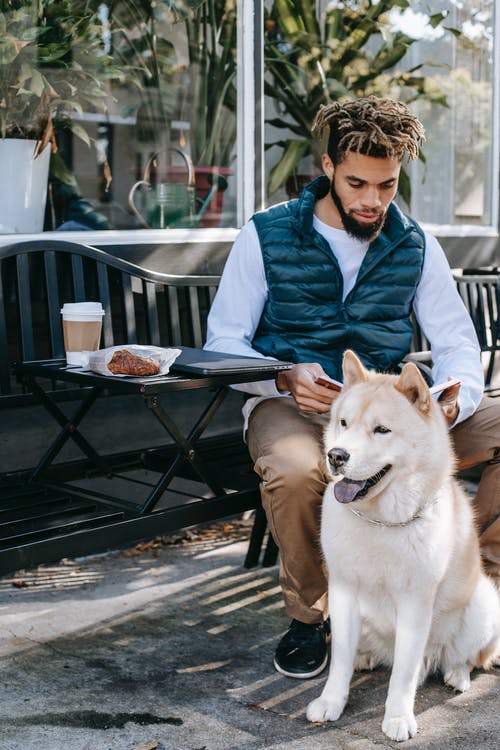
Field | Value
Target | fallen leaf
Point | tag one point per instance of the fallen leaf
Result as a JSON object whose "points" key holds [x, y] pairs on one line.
{"points": [[211, 532], [147, 746]]}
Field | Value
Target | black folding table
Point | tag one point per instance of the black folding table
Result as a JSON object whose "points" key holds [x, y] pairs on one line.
{"points": [[111, 522]]}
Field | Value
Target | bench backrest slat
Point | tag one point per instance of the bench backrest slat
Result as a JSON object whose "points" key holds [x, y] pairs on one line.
{"points": [[54, 304], [149, 288], [194, 309], [480, 294], [105, 299], [128, 309], [493, 306], [78, 278], [25, 307], [174, 315], [4, 349]]}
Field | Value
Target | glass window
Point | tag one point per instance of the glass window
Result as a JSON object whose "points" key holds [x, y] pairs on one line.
{"points": [[140, 90], [459, 150], [436, 56], [140, 99]]}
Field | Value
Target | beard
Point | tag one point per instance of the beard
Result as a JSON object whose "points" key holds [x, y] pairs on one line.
{"points": [[358, 230]]}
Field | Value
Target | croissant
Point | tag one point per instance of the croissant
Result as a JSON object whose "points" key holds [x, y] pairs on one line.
{"points": [[124, 362]]}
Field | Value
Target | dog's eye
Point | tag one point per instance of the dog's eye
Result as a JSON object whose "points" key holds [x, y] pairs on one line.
{"points": [[343, 423], [381, 429]]}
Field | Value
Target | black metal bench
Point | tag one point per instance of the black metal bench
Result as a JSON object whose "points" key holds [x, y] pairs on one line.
{"points": [[479, 290], [480, 293], [142, 307]]}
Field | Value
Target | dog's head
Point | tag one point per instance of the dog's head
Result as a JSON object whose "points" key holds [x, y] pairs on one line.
{"points": [[382, 427]]}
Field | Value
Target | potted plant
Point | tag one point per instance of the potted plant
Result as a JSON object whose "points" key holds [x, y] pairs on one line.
{"points": [[211, 34], [201, 93], [351, 50], [52, 65], [211, 103]]}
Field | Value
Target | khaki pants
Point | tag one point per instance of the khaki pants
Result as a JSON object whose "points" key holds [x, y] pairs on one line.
{"points": [[286, 447]]}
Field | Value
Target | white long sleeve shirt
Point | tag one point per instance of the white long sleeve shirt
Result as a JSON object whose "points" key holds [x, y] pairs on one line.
{"points": [[242, 294]]}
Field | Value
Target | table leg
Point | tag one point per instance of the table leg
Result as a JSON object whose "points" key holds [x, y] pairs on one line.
{"points": [[186, 447], [69, 429]]}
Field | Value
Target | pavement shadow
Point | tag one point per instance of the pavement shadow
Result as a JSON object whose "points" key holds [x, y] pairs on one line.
{"points": [[174, 646]]}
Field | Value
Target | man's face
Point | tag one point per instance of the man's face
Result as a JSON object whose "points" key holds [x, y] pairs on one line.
{"points": [[362, 187]]}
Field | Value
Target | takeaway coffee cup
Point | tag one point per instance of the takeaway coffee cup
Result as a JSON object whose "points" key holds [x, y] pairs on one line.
{"points": [[82, 323]]}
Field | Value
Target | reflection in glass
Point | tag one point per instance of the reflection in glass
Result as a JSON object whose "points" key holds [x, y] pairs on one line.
{"points": [[149, 88], [438, 57], [174, 113]]}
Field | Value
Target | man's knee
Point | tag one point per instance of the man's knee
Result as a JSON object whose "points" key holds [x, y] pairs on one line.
{"points": [[477, 439]]}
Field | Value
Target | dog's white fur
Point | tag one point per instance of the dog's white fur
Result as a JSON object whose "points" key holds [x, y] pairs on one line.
{"points": [[412, 596]]}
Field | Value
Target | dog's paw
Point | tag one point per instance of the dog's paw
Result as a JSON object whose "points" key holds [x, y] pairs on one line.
{"points": [[322, 709], [399, 728], [458, 678], [364, 661]]}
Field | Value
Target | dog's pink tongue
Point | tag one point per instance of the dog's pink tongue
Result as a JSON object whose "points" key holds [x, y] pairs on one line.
{"points": [[346, 489]]}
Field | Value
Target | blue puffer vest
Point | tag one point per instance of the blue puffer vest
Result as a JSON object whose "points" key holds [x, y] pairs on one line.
{"points": [[305, 319]]}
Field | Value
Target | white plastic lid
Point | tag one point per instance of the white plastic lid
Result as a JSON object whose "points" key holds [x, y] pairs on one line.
{"points": [[82, 308]]}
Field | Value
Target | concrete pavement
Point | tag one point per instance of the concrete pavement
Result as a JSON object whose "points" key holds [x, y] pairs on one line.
{"points": [[169, 646]]}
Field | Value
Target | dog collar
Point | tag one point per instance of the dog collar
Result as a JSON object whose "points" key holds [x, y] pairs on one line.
{"points": [[378, 522]]}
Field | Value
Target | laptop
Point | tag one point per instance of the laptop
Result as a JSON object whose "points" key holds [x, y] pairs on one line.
{"points": [[201, 362]]}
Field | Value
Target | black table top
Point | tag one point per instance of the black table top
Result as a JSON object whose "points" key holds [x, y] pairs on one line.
{"points": [[58, 370]]}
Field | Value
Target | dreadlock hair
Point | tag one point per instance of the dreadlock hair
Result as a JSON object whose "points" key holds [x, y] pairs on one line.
{"points": [[371, 126]]}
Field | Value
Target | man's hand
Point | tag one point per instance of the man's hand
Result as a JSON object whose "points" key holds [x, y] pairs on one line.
{"points": [[309, 396], [448, 401]]}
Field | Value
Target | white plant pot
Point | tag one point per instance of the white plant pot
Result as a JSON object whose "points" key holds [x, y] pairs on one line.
{"points": [[24, 190]]}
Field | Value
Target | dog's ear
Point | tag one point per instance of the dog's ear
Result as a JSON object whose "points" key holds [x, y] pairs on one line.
{"points": [[353, 369], [412, 385]]}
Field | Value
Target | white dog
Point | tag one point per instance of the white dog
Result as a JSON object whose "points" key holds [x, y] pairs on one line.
{"points": [[406, 588]]}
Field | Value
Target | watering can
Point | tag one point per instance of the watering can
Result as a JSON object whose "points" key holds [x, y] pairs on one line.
{"points": [[171, 204]]}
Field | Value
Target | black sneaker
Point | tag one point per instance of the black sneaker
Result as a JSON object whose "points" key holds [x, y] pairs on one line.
{"points": [[302, 652]]}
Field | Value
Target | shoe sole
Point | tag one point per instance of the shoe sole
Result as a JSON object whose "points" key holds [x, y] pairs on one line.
{"points": [[302, 675]]}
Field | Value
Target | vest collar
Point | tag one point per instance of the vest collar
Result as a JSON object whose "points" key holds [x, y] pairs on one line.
{"points": [[396, 228], [312, 193]]}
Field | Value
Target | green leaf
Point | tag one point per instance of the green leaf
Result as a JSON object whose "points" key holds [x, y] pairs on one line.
{"points": [[336, 89], [36, 83], [8, 50], [290, 22], [468, 43], [404, 186], [292, 156], [437, 18], [284, 125], [59, 170], [79, 131]]}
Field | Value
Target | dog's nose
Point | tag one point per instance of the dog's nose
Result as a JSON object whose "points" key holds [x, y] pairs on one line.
{"points": [[337, 457]]}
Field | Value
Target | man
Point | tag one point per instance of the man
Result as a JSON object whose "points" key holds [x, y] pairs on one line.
{"points": [[342, 267]]}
